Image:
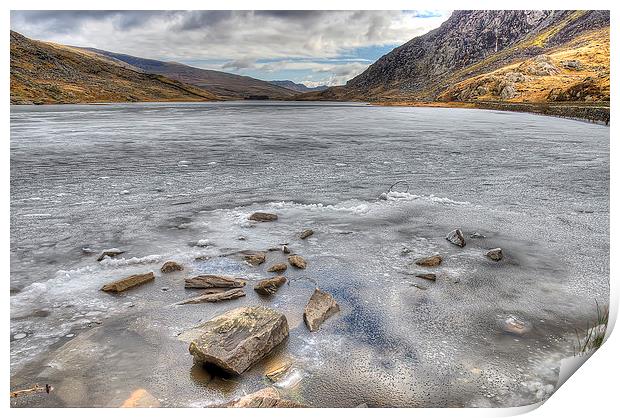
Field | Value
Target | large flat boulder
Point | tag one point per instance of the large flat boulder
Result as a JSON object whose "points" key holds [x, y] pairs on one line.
{"points": [[207, 281], [128, 282], [237, 339], [320, 307]]}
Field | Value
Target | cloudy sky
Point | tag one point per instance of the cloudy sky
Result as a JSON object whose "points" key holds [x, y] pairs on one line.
{"points": [[311, 47]]}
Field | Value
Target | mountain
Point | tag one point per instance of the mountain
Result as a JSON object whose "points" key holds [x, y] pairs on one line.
{"points": [[512, 56], [226, 85], [44, 73], [291, 85]]}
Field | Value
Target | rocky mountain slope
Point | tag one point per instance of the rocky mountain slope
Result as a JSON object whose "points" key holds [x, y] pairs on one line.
{"points": [[226, 85], [45, 73], [291, 85], [519, 56]]}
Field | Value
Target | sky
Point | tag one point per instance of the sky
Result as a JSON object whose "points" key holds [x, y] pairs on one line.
{"points": [[309, 47]]}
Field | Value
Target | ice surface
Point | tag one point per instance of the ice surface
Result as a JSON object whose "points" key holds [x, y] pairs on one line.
{"points": [[544, 201]]}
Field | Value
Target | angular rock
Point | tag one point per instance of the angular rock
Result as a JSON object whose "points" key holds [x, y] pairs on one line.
{"points": [[427, 276], [206, 281], [264, 398], [431, 261], [128, 282], [319, 308], [255, 259], [237, 339], [277, 268], [495, 254], [297, 261], [263, 217], [229, 294], [456, 237], [170, 266], [285, 249], [112, 252], [306, 233], [476, 235], [269, 286]]}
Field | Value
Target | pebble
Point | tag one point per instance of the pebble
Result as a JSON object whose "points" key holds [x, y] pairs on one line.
{"points": [[19, 336]]}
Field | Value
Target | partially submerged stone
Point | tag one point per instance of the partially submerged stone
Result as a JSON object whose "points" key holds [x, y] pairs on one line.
{"points": [[269, 286], [237, 339], [477, 235], [170, 266], [263, 217], [297, 261], [255, 259], [456, 237], [276, 373], [112, 252], [141, 398], [128, 282], [427, 276], [206, 281], [264, 398], [431, 261], [495, 254], [319, 308], [285, 249], [306, 233], [277, 268], [229, 294], [515, 326]]}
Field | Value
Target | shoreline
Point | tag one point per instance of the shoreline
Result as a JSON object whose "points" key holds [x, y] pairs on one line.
{"points": [[594, 113]]}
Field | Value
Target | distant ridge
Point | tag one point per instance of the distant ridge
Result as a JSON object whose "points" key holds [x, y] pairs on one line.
{"points": [[47, 73], [302, 88], [226, 85]]}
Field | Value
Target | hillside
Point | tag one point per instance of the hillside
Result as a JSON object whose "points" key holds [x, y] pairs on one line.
{"points": [[515, 56], [46, 73], [226, 85], [299, 87]]}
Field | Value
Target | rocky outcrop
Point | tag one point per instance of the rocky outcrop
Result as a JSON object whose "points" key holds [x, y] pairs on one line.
{"points": [[269, 286], [171, 266], [277, 268], [230, 294], [319, 308], [264, 398], [206, 281], [263, 217], [456, 237], [237, 339], [495, 254], [128, 282], [432, 261], [297, 261]]}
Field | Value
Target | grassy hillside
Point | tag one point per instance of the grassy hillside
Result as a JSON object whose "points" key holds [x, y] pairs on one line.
{"points": [[45, 73]]}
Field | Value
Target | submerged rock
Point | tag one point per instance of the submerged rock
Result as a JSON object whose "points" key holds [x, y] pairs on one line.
{"points": [[237, 339], [515, 326], [427, 276], [297, 261], [264, 398], [278, 372], [495, 254], [431, 261], [277, 268], [269, 286], [456, 237], [141, 398], [112, 252], [229, 294], [263, 217], [128, 282], [306, 233], [476, 235], [170, 266], [319, 308], [206, 281], [255, 259]]}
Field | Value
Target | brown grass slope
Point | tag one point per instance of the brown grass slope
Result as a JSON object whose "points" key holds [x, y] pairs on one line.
{"points": [[46, 73], [504, 56], [226, 85]]}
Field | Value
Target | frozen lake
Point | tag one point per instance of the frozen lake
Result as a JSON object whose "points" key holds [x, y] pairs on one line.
{"points": [[155, 180]]}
